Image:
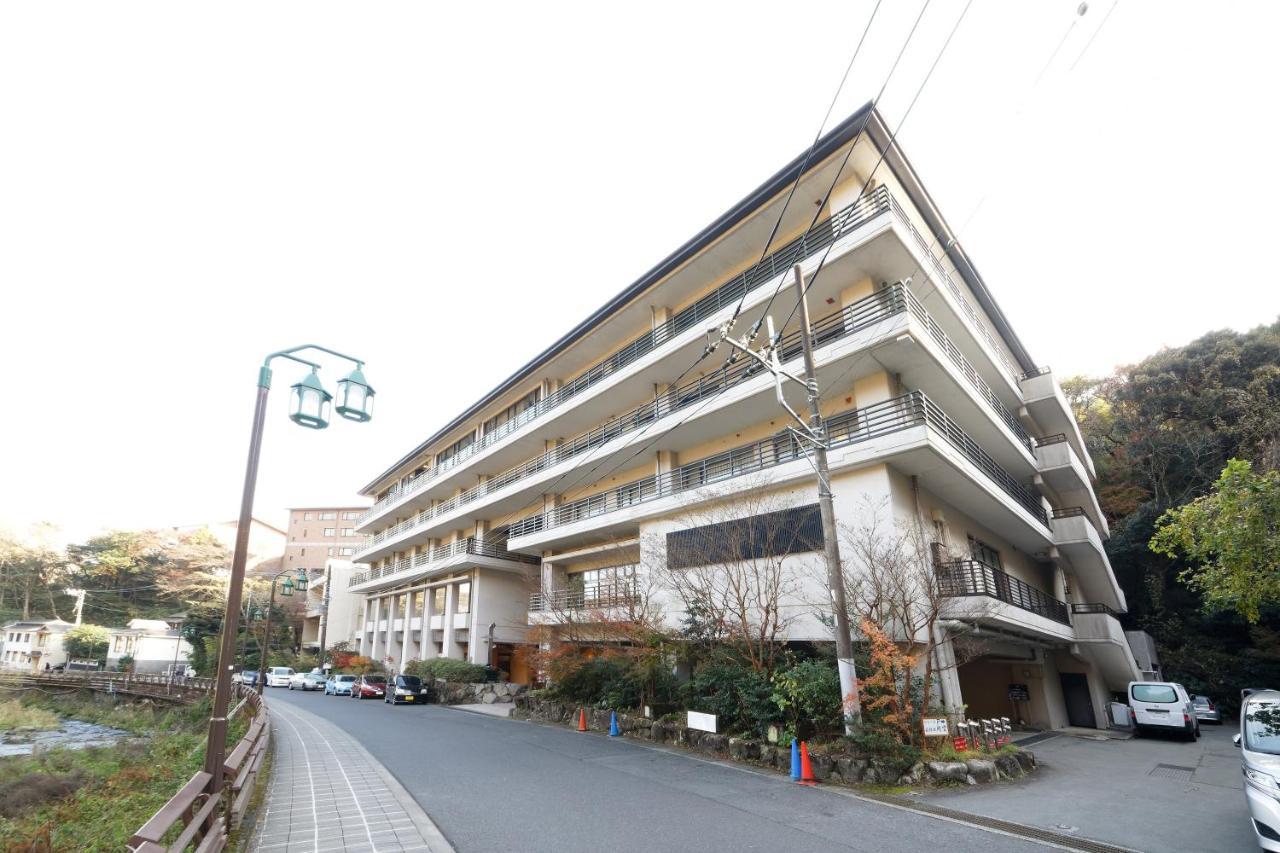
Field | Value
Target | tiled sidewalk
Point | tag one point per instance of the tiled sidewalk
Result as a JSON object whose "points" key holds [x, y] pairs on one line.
{"points": [[328, 794]]}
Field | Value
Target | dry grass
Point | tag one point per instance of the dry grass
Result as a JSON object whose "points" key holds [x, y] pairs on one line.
{"points": [[16, 715]]}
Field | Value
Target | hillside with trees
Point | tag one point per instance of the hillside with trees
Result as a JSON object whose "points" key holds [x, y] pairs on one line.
{"points": [[1162, 433]]}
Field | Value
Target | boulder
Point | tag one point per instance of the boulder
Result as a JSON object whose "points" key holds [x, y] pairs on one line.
{"points": [[766, 754], [852, 770], [948, 771], [822, 766], [981, 769], [658, 732], [913, 775], [741, 749], [713, 743], [1026, 759], [1008, 767]]}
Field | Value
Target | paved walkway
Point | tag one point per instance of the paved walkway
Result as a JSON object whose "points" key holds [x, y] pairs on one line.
{"points": [[328, 794]]}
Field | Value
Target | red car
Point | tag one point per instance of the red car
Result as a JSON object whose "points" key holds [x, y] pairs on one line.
{"points": [[369, 687]]}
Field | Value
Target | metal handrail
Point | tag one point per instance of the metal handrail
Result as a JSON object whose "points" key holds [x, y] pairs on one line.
{"points": [[595, 596], [850, 427], [815, 240], [1034, 372], [1093, 608], [1056, 438], [1069, 512], [962, 578], [859, 315], [439, 553]]}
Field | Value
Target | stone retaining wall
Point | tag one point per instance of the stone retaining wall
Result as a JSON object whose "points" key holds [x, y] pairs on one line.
{"points": [[827, 767], [480, 693]]}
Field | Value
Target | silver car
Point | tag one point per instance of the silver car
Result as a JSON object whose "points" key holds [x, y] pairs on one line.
{"points": [[1259, 742], [1205, 710]]}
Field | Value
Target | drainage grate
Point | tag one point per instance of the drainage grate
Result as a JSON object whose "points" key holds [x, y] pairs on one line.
{"points": [[1027, 741], [1172, 771], [1035, 833]]}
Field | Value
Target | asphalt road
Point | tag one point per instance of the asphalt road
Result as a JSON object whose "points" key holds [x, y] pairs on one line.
{"points": [[494, 784], [1150, 793]]}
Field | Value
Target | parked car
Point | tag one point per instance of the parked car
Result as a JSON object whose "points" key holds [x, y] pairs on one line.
{"points": [[369, 687], [339, 684], [305, 681], [1162, 706], [278, 676], [1259, 742], [1205, 710], [407, 688], [249, 678]]}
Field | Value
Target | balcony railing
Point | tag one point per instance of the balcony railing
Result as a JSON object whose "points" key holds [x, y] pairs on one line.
{"points": [[848, 428], [1093, 608], [595, 597], [847, 321], [1033, 373], [1056, 438], [439, 553], [815, 240], [962, 578]]}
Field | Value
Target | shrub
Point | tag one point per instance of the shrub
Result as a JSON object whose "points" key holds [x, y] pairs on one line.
{"points": [[590, 681], [876, 740], [739, 696], [360, 665], [447, 669], [808, 695]]}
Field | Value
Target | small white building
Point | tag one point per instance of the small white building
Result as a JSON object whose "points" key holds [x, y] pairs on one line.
{"points": [[154, 645], [32, 645], [330, 600]]}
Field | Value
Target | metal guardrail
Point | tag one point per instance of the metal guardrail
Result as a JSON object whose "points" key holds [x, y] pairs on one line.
{"points": [[961, 578], [1093, 608], [470, 545], [594, 597], [1056, 438], [1032, 374], [207, 821], [851, 427]]}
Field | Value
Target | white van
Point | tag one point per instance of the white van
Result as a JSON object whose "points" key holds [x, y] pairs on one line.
{"points": [[1259, 742], [1162, 706], [278, 676]]}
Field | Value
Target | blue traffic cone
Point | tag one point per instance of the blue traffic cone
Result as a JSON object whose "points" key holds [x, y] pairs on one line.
{"points": [[613, 724], [795, 760]]}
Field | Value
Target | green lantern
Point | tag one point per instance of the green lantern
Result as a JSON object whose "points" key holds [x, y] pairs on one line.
{"points": [[301, 582], [287, 588], [310, 404], [256, 615], [355, 396]]}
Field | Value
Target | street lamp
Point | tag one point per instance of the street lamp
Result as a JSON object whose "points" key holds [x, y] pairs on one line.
{"points": [[309, 407], [286, 590]]}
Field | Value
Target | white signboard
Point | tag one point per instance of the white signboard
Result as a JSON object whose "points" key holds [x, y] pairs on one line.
{"points": [[936, 727], [702, 722]]}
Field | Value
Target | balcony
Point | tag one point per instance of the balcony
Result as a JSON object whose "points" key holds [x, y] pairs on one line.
{"points": [[1101, 638], [730, 293], [962, 578], [1063, 472], [903, 251], [621, 505], [1078, 540], [1043, 400], [612, 600], [864, 314], [470, 551]]}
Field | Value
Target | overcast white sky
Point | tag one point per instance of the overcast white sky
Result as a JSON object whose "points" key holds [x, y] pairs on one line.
{"points": [[186, 187]]}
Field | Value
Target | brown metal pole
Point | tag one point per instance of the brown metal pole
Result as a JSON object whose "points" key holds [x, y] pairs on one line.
{"points": [[266, 638], [216, 747], [831, 545]]}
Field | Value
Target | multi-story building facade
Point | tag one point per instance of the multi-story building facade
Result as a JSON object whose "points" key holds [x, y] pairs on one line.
{"points": [[153, 646], [331, 607], [317, 534], [590, 470], [32, 645]]}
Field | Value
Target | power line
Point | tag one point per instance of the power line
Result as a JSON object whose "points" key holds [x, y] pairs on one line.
{"points": [[1087, 44], [893, 138]]}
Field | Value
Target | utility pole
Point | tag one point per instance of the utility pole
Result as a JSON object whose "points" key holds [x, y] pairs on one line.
{"points": [[814, 432], [324, 612], [79, 593]]}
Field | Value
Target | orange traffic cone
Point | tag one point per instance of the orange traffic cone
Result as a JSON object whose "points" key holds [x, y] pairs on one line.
{"points": [[806, 768], [582, 719]]}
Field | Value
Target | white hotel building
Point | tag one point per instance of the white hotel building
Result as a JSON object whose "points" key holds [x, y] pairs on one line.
{"points": [[567, 479]]}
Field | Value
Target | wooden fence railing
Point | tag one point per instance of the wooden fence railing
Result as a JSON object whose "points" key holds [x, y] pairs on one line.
{"points": [[206, 821]]}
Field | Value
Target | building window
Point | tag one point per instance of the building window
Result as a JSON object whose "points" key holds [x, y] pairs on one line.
{"points": [[350, 516], [772, 534], [984, 553], [438, 599], [306, 516], [346, 552], [454, 449], [519, 407], [304, 552], [328, 516], [464, 598], [329, 531], [348, 531], [41, 638]]}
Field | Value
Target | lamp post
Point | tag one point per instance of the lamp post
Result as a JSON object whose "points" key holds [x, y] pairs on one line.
{"points": [[290, 583], [308, 407]]}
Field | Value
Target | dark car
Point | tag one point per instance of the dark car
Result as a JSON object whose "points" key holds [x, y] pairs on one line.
{"points": [[369, 687], [407, 689]]}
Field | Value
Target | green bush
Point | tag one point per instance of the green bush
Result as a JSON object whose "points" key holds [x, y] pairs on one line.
{"points": [[740, 697], [876, 741], [590, 682], [447, 669], [808, 695]]}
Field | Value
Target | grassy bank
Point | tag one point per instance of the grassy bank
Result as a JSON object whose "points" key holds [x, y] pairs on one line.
{"points": [[94, 799], [17, 715]]}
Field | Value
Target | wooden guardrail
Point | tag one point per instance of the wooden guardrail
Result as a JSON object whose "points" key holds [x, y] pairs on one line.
{"points": [[154, 686], [206, 821]]}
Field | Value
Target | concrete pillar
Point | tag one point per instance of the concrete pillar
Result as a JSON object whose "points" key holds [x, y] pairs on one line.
{"points": [[447, 647], [364, 628], [392, 649], [948, 674], [406, 636], [428, 610], [375, 645]]}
